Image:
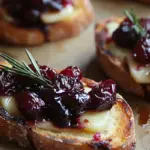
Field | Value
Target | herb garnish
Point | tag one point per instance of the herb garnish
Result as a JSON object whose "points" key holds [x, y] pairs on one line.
{"points": [[136, 22], [24, 70]]}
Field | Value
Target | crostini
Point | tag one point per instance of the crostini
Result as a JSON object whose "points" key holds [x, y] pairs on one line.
{"points": [[30, 22], [123, 52], [52, 110]]}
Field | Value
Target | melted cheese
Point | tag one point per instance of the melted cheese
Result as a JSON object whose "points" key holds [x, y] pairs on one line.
{"points": [[139, 74], [119, 52], [95, 121], [9, 104], [112, 26], [49, 17]]}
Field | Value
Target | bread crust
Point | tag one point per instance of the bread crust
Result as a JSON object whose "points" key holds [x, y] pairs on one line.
{"points": [[64, 29], [15, 129], [113, 66]]}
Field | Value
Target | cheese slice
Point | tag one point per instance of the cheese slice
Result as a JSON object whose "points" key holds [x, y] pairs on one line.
{"points": [[139, 72], [9, 104], [95, 121], [112, 26], [49, 17], [119, 52]]}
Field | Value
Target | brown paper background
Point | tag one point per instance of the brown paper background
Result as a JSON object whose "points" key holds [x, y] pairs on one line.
{"points": [[81, 51]]}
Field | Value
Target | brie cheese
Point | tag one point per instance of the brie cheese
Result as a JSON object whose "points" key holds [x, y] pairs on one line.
{"points": [[49, 17], [9, 104]]}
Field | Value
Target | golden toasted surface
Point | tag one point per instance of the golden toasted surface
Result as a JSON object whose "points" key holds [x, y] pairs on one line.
{"points": [[113, 66], [70, 27]]}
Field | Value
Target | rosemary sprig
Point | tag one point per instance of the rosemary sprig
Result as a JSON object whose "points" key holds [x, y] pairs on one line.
{"points": [[23, 69], [137, 25]]}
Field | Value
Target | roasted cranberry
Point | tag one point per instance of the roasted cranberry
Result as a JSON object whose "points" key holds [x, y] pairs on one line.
{"points": [[45, 71], [33, 19], [103, 96], [72, 71], [125, 36], [66, 2], [57, 112], [141, 52], [30, 105], [8, 83], [76, 102], [65, 84]]}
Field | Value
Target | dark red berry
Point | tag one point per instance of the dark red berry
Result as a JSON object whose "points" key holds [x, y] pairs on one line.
{"points": [[103, 96], [57, 112], [8, 84], [30, 105], [141, 52], [76, 102], [97, 137], [45, 71], [27, 13], [125, 36], [66, 2], [72, 71], [34, 16], [66, 84]]}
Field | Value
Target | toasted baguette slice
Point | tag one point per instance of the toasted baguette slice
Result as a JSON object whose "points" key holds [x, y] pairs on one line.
{"points": [[120, 134], [113, 66], [82, 16]]}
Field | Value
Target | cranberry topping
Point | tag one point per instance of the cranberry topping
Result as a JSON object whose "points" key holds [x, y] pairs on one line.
{"points": [[7, 83], [141, 52], [47, 72], [66, 84], [62, 102], [72, 71], [103, 96], [27, 12], [125, 36], [57, 112], [76, 102], [30, 105]]}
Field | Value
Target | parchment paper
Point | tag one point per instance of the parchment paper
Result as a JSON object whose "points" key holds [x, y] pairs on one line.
{"points": [[81, 51]]}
